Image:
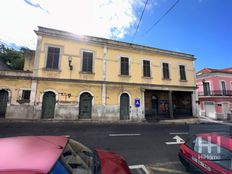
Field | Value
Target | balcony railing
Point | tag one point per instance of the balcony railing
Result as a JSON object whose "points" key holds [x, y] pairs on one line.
{"points": [[216, 93]]}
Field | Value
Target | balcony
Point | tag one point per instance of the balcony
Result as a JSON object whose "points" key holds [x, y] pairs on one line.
{"points": [[216, 93]]}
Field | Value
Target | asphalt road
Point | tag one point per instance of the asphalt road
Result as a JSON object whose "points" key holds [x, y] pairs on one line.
{"points": [[138, 143]]}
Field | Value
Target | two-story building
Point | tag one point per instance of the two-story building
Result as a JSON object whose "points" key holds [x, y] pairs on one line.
{"points": [[215, 92], [83, 77]]}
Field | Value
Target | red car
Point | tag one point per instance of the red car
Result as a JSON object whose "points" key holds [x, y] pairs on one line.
{"points": [[208, 153], [56, 155]]}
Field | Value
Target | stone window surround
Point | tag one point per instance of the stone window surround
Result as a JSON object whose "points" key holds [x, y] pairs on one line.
{"points": [[81, 62], [21, 92], [119, 69], [151, 72], [185, 72], [46, 45], [169, 67]]}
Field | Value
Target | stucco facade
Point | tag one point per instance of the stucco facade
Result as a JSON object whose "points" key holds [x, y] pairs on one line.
{"points": [[103, 87], [215, 93]]}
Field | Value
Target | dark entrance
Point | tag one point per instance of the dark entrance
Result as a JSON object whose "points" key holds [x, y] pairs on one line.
{"points": [[48, 105], [124, 107], [154, 105], [85, 107], [182, 103], [3, 103]]}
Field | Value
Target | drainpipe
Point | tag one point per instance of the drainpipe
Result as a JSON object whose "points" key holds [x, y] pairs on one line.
{"points": [[104, 80]]}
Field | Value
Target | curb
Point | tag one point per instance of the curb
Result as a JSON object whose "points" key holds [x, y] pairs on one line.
{"points": [[162, 122]]}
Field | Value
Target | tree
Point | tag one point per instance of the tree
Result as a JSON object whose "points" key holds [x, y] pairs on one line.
{"points": [[13, 58]]}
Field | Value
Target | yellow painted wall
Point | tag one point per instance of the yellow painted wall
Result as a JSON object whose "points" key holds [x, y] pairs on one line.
{"points": [[70, 48], [28, 64], [14, 85], [136, 71], [113, 93], [63, 89], [73, 48]]}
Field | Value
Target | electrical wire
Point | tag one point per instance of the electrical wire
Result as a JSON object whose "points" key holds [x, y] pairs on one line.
{"points": [[155, 23], [140, 20]]}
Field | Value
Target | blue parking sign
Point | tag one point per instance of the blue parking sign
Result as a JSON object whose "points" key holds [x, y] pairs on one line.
{"points": [[137, 102]]}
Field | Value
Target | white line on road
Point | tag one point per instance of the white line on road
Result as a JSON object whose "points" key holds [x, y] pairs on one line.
{"points": [[120, 135], [178, 133], [141, 166], [178, 139]]}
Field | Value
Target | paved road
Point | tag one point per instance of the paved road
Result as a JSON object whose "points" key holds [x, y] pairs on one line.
{"points": [[138, 143]]}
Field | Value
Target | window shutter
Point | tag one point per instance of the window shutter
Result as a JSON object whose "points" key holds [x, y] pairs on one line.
{"points": [[124, 66], [53, 57], [87, 62], [146, 68], [182, 72], [165, 71]]}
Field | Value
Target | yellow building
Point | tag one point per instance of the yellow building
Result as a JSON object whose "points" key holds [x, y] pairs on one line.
{"points": [[83, 77]]}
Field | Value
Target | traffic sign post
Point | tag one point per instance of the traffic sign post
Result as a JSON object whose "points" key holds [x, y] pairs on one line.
{"points": [[137, 102]]}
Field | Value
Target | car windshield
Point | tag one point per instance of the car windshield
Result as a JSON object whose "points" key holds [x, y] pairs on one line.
{"points": [[211, 151], [77, 158]]}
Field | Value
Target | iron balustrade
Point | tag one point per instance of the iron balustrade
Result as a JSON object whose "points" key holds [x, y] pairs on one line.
{"points": [[216, 93]]}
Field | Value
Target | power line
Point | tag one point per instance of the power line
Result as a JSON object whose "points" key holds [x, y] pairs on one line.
{"points": [[154, 24], [140, 20]]}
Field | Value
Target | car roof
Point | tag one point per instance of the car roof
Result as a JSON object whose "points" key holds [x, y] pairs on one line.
{"points": [[225, 141], [30, 153]]}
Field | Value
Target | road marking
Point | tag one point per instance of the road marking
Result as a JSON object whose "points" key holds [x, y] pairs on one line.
{"points": [[161, 169], [120, 135], [178, 133], [178, 141], [140, 166]]}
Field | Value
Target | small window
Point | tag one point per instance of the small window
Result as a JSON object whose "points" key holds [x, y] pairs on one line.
{"points": [[53, 56], [182, 72], [87, 62], [124, 66], [166, 71], [146, 68], [26, 95]]}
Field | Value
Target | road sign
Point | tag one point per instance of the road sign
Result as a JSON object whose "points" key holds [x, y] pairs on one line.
{"points": [[137, 102], [178, 140]]}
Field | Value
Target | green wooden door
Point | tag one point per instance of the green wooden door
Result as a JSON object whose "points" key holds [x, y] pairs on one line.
{"points": [[3, 103], [85, 107], [48, 105], [124, 107]]}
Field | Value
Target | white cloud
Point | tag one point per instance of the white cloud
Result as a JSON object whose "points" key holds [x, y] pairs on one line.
{"points": [[103, 18]]}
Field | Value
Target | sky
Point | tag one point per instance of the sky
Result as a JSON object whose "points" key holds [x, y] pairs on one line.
{"points": [[199, 27]]}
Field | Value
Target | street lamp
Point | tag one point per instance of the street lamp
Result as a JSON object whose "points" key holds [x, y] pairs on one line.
{"points": [[70, 63]]}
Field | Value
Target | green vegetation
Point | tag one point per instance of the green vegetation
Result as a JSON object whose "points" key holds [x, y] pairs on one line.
{"points": [[13, 58]]}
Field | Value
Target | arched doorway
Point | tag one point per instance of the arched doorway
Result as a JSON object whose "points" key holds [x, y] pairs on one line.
{"points": [[124, 106], [85, 106], [3, 102], [48, 105]]}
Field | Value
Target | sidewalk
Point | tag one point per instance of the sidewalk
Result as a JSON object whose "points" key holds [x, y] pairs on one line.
{"points": [[204, 119], [189, 120]]}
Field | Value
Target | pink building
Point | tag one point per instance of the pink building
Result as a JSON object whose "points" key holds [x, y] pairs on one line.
{"points": [[215, 92]]}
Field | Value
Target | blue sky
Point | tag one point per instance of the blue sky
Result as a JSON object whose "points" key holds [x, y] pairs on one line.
{"points": [[202, 28], [199, 27]]}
